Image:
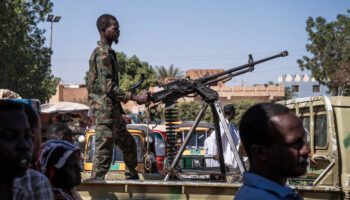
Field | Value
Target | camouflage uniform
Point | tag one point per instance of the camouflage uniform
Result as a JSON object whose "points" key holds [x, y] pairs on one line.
{"points": [[104, 96]]}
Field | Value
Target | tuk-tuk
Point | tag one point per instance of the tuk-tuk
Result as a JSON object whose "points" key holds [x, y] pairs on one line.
{"points": [[139, 133], [193, 156], [160, 143]]}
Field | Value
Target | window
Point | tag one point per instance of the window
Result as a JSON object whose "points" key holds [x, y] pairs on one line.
{"points": [[320, 130], [160, 144], [316, 88], [295, 88], [306, 124], [196, 141], [90, 151]]}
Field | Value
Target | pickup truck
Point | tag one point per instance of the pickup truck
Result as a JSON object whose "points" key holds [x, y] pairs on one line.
{"points": [[327, 125]]}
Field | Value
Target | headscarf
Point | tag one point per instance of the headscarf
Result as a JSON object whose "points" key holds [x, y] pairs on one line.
{"points": [[53, 155]]}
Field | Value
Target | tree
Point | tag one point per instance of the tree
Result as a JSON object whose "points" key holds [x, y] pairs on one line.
{"points": [[330, 46], [130, 72], [288, 92], [25, 62], [188, 111], [171, 72], [241, 106]]}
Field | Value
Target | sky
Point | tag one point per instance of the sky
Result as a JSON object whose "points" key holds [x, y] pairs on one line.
{"points": [[190, 34]]}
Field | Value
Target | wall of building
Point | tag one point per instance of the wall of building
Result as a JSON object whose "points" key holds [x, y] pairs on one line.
{"points": [[306, 84], [71, 93]]}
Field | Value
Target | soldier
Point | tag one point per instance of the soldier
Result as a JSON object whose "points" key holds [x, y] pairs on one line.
{"points": [[104, 97]]}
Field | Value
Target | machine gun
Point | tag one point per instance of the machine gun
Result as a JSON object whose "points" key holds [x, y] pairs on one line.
{"points": [[185, 87]]}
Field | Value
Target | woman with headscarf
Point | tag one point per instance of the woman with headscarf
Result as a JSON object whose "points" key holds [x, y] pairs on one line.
{"points": [[60, 162]]}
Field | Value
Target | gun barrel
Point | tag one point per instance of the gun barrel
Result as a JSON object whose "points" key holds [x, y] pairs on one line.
{"points": [[228, 76], [214, 76]]}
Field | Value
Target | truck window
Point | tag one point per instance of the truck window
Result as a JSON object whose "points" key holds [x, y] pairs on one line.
{"points": [[320, 130], [306, 124]]}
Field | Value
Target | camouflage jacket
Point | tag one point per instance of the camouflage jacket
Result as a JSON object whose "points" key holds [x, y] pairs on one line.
{"points": [[104, 94]]}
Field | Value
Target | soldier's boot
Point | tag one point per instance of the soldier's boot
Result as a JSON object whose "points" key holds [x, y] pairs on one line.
{"points": [[97, 175], [132, 175]]}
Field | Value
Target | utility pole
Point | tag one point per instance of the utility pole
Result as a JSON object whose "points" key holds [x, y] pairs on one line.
{"points": [[52, 19]]}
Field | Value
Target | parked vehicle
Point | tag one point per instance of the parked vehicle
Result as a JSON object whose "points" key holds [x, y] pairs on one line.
{"points": [[193, 156], [327, 125], [160, 143], [139, 133]]}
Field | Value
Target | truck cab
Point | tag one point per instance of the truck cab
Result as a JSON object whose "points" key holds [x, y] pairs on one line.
{"points": [[327, 126]]}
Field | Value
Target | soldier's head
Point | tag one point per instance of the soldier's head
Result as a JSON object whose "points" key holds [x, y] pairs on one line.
{"points": [[108, 27], [229, 111], [273, 137], [15, 140]]}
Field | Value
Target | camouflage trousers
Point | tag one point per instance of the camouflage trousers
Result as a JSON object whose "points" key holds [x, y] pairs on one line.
{"points": [[106, 136]]}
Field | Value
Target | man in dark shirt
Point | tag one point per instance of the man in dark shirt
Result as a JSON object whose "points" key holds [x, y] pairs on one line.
{"points": [[273, 138]]}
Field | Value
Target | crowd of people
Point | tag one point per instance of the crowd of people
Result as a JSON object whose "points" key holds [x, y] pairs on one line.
{"points": [[272, 135], [35, 170]]}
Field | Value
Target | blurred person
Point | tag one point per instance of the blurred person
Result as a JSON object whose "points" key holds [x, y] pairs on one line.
{"points": [[15, 145], [59, 160], [178, 143], [273, 139], [230, 162], [60, 131], [33, 185], [35, 125], [210, 151]]}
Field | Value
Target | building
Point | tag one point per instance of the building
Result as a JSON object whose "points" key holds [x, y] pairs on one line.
{"points": [[70, 92], [227, 94], [302, 85]]}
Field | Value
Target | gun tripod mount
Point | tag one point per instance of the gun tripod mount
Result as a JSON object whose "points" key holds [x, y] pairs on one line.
{"points": [[218, 117], [201, 86]]}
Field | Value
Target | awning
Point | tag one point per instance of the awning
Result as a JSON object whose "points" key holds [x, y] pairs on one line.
{"points": [[63, 107]]}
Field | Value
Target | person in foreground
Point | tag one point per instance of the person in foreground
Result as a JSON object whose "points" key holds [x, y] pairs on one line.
{"points": [[105, 97], [273, 138], [59, 160], [33, 185], [15, 145]]}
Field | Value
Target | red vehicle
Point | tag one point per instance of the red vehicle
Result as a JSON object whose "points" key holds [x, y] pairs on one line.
{"points": [[160, 143]]}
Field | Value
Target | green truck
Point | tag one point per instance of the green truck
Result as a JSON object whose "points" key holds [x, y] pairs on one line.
{"points": [[327, 125]]}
